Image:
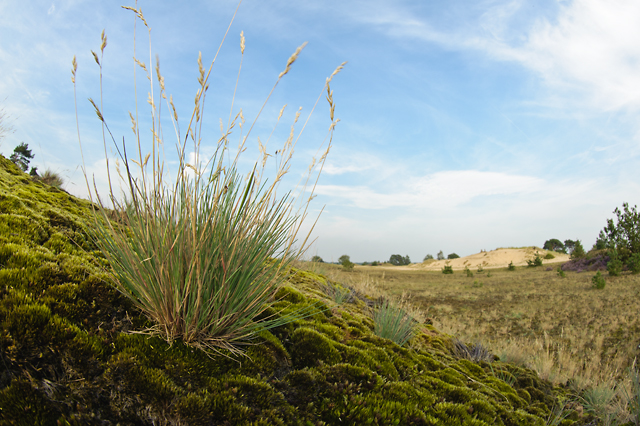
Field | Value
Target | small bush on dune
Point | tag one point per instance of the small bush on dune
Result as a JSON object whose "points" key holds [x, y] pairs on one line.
{"points": [[537, 261], [468, 272], [447, 269], [511, 266], [549, 256]]}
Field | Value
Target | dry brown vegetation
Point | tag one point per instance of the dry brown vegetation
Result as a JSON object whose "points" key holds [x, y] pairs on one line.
{"points": [[563, 328]]}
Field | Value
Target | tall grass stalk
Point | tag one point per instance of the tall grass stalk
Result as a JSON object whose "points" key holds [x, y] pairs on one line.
{"points": [[203, 256]]}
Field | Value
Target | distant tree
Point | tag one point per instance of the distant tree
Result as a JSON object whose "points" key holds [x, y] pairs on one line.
{"points": [[624, 236], [398, 260], [569, 246], [375, 263], [346, 263], [427, 257], [317, 259], [440, 255], [453, 256], [554, 245], [577, 251], [22, 156]]}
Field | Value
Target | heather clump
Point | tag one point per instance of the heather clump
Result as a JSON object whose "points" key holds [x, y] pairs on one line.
{"points": [[595, 263]]}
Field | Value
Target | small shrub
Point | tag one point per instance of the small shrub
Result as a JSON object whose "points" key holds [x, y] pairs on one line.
{"points": [[614, 266], [317, 259], [511, 266], [346, 263], [578, 251], [488, 274], [468, 271], [537, 261], [475, 353], [427, 257], [549, 256], [598, 281], [447, 269], [52, 178], [375, 263], [393, 323], [480, 269], [453, 256], [561, 273], [477, 284], [634, 263]]}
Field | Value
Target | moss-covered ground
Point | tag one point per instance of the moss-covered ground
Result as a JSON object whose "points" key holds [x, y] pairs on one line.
{"points": [[70, 355]]}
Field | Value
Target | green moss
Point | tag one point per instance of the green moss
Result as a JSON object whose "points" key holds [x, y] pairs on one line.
{"points": [[311, 347]]}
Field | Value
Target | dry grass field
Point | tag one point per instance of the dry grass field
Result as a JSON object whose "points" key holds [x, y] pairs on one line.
{"points": [[561, 327]]}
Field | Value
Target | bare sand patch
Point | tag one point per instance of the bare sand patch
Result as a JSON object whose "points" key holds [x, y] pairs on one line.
{"points": [[498, 258]]}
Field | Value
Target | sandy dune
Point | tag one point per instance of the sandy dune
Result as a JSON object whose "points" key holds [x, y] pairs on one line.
{"points": [[499, 258]]}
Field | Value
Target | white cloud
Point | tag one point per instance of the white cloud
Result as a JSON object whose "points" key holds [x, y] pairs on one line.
{"points": [[446, 190], [51, 9]]}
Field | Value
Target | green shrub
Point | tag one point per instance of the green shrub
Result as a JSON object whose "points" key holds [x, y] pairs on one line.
{"points": [[453, 256], [598, 281], [561, 273], [578, 251], [203, 256], [51, 178], [480, 269], [427, 257], [634, 263], [393, 323], [537, 261], [624, 236], [511, 266], [468, 271], [346, 263], [317, 259], [549, 256], [614, 266], [447, 269]]}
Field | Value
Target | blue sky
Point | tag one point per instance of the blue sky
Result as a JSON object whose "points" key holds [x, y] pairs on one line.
{"points": [[465, 125]]}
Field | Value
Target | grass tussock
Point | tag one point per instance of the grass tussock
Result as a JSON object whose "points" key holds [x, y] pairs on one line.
{"points": [[202, 256]]}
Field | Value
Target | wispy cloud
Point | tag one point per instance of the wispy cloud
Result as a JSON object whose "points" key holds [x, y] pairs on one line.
{"points": [[446, 190]]}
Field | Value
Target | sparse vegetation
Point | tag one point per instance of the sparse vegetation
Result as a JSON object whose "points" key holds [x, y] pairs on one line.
{"points": [[537, 261], [511, 266], [447, 269]]}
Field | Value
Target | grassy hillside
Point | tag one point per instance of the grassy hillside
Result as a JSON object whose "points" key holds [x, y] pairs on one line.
{"points": [[71, 355], [560, 326]]}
